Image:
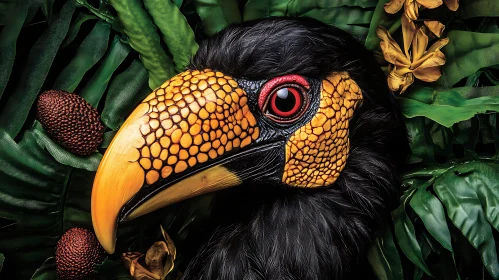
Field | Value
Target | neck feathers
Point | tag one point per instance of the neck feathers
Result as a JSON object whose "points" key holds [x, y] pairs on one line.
{"points": [[314, 233]]}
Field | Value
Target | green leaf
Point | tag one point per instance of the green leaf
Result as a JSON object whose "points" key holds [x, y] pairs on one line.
{"points": [[2, 260], [143, 38], [380, 18], [6, 8], [125, 92], [47, 9], [442, 138], [88, 54], [63, 156], [495, 130], [406, 236], [298, 8], [420, 144], [108, 137], [95, 88], [8, 39], [74, 29], [35, 71], [449, 106], [177, 33], [384, 257], [484, 179], [466, 53], [255, 9], [426, 250], [45, 199], [432, 213], [465, 211], [217, 14], [478, 8], [341, 15], [47, 271], [467, 133]]}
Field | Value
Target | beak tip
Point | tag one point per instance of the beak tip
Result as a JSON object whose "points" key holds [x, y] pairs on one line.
{"points": [[107, 241]]}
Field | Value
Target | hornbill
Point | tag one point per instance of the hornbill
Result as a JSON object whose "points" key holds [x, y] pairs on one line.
{"points": [[295, 113]]}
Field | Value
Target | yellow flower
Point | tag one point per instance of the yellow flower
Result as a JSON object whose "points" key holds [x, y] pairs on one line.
{"points": [[417, 62], [411, 7]]}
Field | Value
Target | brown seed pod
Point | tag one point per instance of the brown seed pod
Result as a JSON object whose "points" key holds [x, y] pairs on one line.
{"points": [[78, 252], [71, 121]]}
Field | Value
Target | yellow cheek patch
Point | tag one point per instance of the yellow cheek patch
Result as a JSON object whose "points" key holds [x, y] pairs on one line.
{"points": [[317, 152], [194, 117]]}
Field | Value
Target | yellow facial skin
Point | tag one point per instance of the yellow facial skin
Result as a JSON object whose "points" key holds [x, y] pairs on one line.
{"points": [[194, 117], [317, 152]]}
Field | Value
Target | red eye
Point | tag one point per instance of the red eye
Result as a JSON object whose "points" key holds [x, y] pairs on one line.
{"points": [[284, 99]]}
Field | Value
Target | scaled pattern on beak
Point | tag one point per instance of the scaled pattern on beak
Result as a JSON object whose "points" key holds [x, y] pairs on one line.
{"points": [[317, 152], [192, 118]]}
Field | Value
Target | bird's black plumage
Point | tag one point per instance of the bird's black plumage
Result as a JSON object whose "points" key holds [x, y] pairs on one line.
{"points": [[293, 233]]}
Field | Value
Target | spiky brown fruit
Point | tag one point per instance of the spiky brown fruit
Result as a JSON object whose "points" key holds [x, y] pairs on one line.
{"points": [[77, 253], [71, 121]]}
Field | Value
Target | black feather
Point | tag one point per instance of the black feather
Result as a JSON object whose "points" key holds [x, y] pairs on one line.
{"points": [[294, 233]]}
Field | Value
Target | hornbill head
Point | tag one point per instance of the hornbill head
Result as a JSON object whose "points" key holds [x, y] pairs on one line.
{"points": [[292, 104]]}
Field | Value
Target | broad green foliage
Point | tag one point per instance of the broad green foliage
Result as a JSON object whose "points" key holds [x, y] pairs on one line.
{"points": [[177, 33], [33, 202], [217, 14], [122, 96], [479, 8], [35, 71], [449, 106], [466, 53], [143, 38], [406, 235], [95, 88], [384, 257], [448, 216], [88, 54], [8, 39]]}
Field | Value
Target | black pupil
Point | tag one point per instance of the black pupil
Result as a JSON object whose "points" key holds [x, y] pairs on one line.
{"points": [[285, 100]]}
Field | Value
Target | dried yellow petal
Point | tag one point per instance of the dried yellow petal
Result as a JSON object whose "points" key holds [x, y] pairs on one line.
{"points": [[391, 50], [154, 257], [430, 4], [419, 44], [408, 31], [153, 264], [398, 82], [393, 6], [452, 4], [435, 27], [430, 74], [411, 9]]}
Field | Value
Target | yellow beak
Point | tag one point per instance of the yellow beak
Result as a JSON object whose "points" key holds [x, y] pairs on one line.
{"points": [[174, 138]]}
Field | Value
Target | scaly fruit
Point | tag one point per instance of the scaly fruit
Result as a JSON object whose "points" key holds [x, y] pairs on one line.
{"points": [[71, 121], [77, 253]]}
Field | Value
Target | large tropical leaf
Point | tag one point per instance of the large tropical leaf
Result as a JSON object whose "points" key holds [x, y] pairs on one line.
{"points": [[384, 257], [466, 53], [35, 71], [456, 189], [449, 106], [33, 186]]}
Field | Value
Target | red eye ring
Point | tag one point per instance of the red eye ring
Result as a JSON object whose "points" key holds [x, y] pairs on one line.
{"points": [[295, 87]]}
